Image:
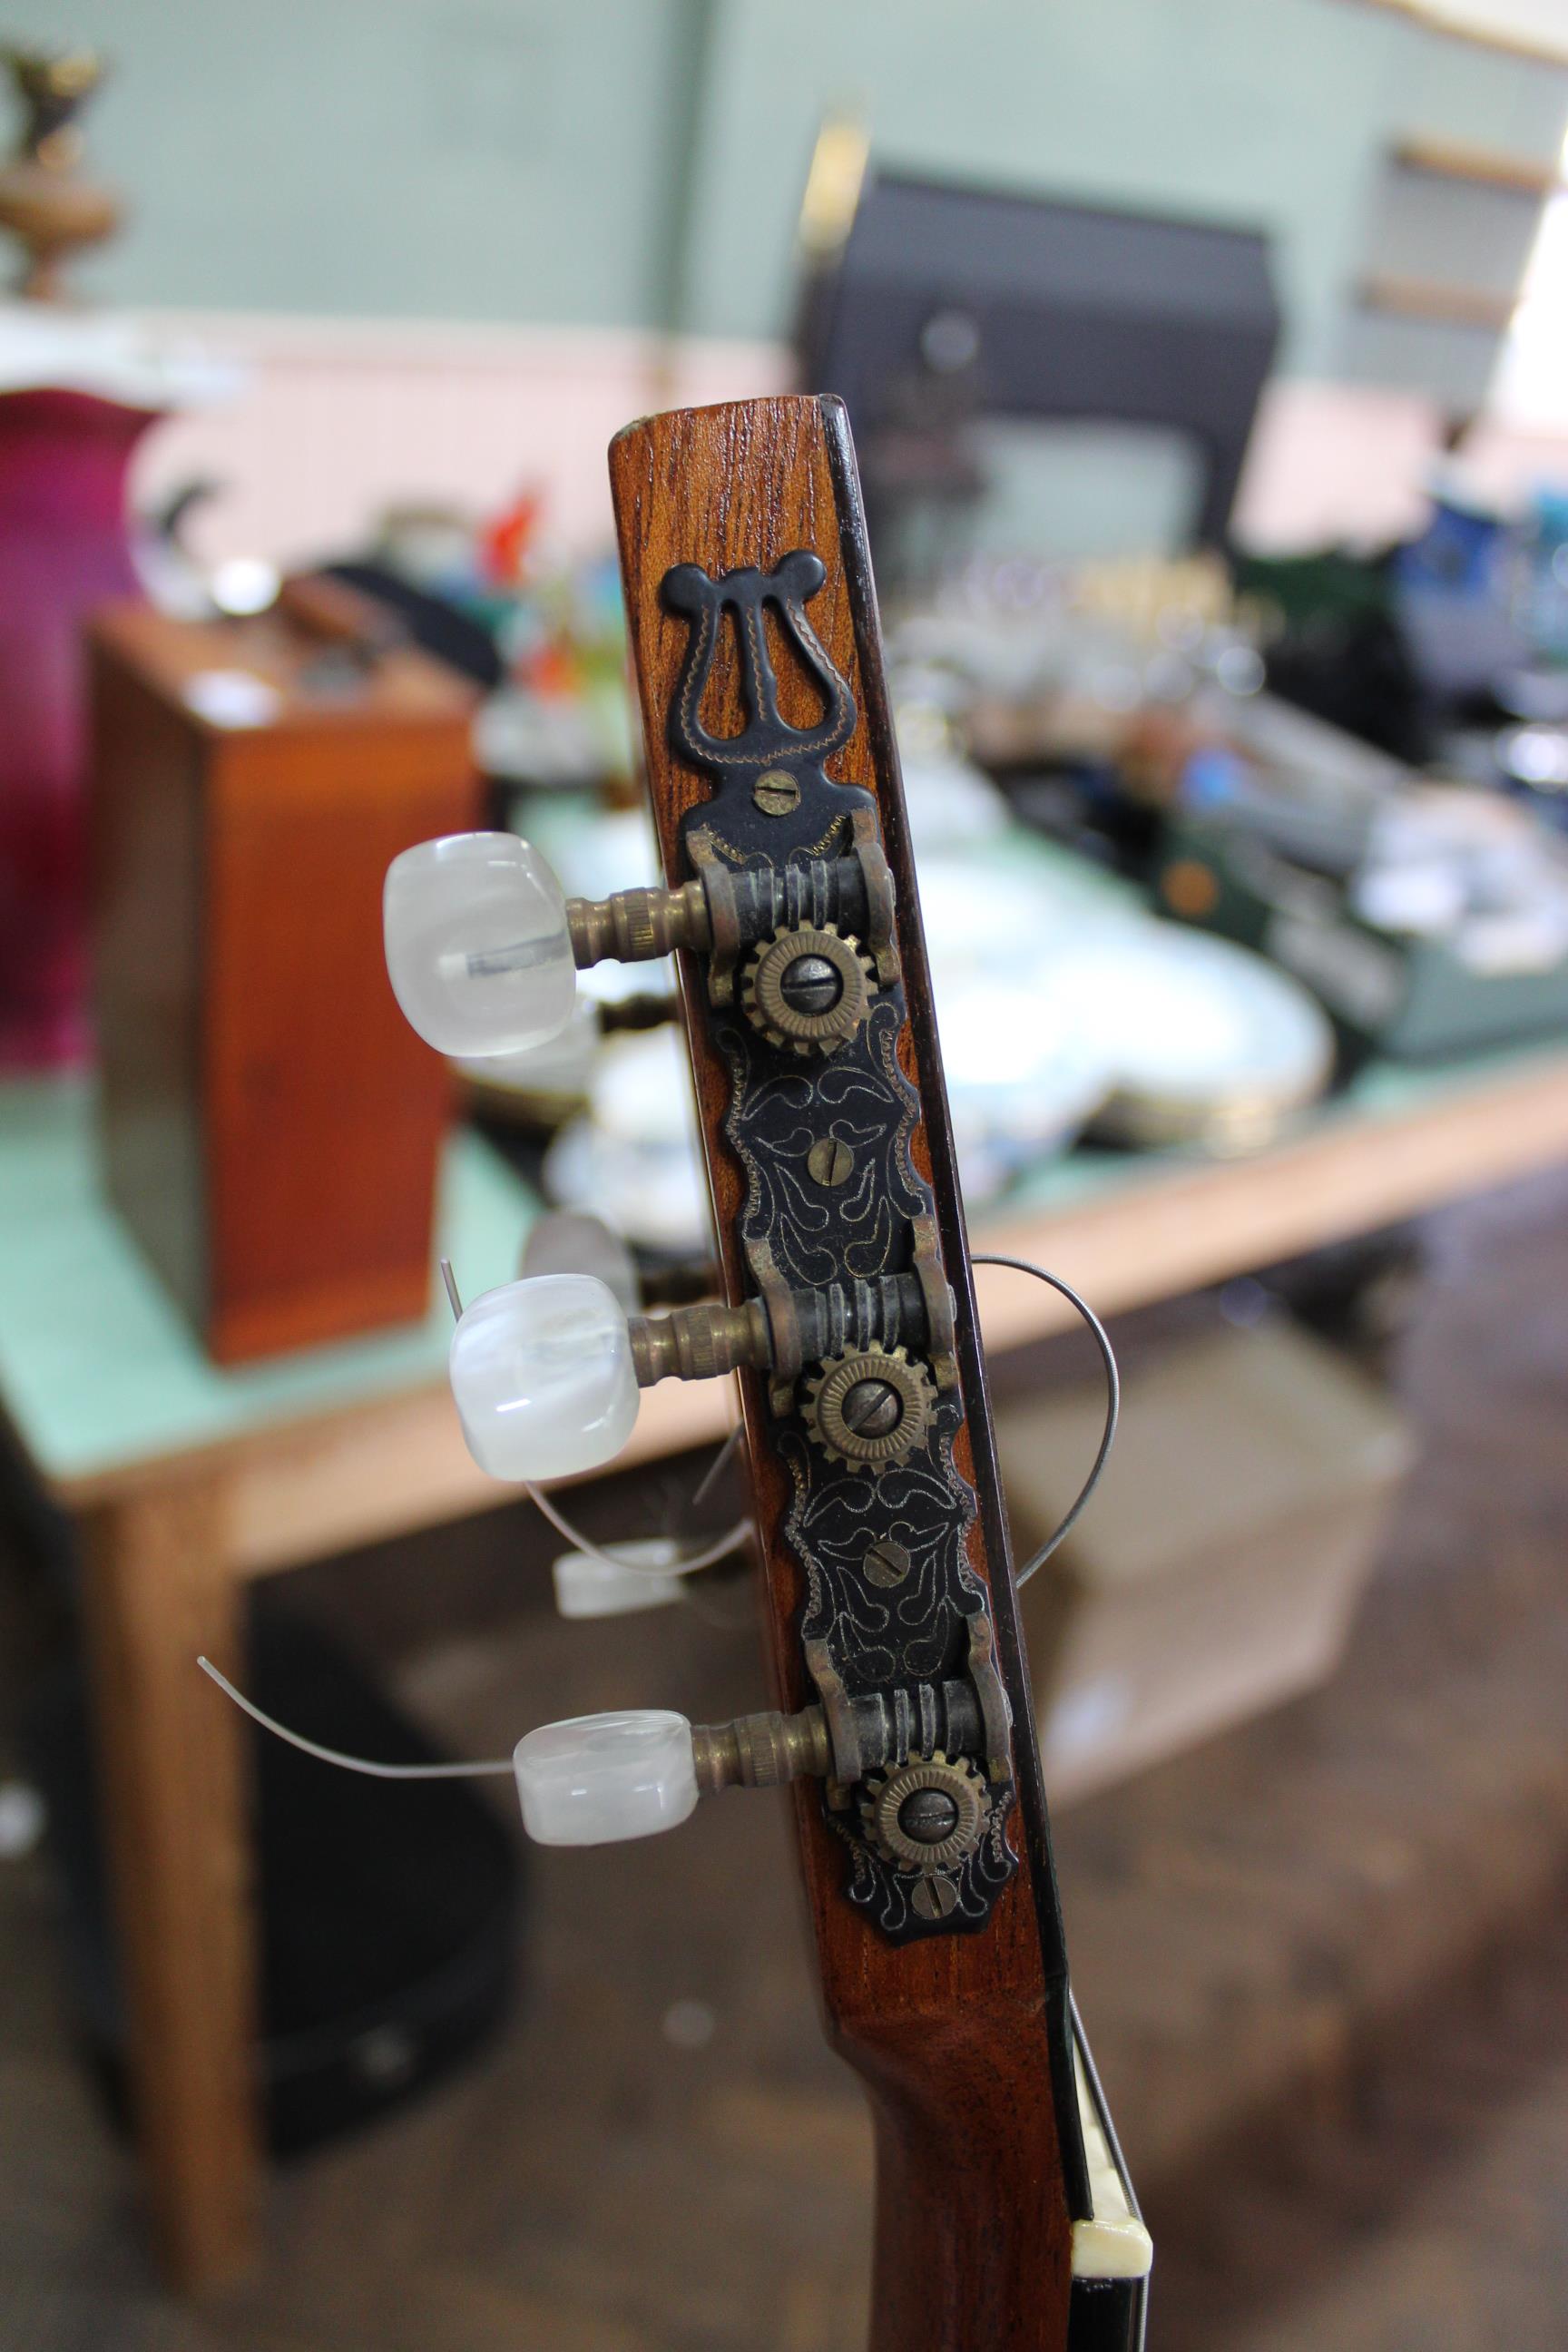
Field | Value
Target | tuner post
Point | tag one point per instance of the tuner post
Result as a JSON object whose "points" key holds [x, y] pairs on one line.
{"points": [[724, 914], [875, 1731], [782, 1330]]}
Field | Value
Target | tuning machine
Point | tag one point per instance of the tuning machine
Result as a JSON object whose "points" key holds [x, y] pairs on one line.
{"points": [[597, 1778], [483, 946], [546, 1371]]}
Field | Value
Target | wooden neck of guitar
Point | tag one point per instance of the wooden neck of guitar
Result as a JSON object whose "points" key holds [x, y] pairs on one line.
{"points": [[954, 2011]]}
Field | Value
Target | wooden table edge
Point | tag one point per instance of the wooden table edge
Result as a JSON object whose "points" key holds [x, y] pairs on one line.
{"points": [[311, 1484]]}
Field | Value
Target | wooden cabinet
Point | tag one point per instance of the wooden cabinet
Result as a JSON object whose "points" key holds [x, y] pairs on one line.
{"points": [[270, 1125]]}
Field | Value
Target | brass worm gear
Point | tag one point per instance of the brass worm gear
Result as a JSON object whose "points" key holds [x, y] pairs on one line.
{"points": [[926, 1813], [808, 988], [870, 1407]]}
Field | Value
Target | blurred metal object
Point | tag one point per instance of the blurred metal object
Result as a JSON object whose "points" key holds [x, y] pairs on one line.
{"points": [[833, 183], [44, 203], [1210, 1046], [1438, 925]]}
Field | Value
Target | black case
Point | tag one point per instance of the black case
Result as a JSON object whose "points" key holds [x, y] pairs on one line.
{"points": [[389, 1912]]}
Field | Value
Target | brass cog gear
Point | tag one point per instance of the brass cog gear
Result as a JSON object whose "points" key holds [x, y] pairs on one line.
{"points": [[870, 1408], [808, 988], [926, 1814]]}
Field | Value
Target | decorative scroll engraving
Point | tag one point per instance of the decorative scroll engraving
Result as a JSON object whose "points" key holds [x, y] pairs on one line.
{"points": [[880, 1636], [861, 1100]]}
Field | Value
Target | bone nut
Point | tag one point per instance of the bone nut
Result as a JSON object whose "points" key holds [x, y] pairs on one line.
{"points": [[794, 1028], [885, 1441]]}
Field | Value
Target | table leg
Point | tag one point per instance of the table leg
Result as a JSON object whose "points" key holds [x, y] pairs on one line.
{"points": [[158, 1590]]}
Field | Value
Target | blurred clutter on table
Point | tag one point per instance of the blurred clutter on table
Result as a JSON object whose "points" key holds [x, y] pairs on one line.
{"points": [[1240, 801], [1207, 834]]}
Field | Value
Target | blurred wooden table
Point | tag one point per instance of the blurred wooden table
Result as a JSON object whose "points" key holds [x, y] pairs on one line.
{"points": [[186, 1482]]}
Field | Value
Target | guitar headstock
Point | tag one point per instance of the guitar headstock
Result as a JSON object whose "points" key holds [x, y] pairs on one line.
{"points": [[904, 1717]]}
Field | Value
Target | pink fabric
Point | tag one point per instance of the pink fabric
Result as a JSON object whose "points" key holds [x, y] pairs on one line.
{"points": [[63, 553]]}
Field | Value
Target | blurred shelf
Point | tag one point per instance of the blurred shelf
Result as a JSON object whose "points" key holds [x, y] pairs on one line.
{"points": [[1434, 17], [1484, 167], [1438, 304]]}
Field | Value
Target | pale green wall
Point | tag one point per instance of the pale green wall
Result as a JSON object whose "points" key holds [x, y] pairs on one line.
{"points": [[1266, 110], [432, 158], [528, 159]]}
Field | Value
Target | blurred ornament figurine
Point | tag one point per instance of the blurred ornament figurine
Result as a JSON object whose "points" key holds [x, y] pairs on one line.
{"points": [[44, 202]]}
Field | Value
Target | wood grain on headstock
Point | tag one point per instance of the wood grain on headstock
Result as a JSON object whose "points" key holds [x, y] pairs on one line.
{"points": [[960, 2038]]}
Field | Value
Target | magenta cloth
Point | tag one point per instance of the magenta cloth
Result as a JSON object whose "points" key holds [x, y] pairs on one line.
{"points": [[64, 457]]}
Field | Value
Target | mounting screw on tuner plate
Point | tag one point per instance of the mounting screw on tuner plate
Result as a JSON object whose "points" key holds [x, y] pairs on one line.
{"points": [[776, 793], [829, 1161], [886, 1564]]}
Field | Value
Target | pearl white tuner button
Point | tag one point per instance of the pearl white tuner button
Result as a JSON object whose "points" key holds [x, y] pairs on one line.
{"points": [[600, 1778], [542, 1372], [477, 948]]}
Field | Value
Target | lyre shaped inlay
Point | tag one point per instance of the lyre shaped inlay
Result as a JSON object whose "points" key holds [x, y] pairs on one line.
{"points": [[767, 740]]}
